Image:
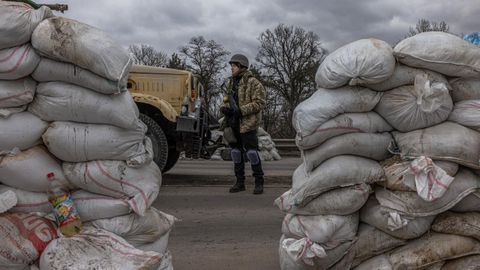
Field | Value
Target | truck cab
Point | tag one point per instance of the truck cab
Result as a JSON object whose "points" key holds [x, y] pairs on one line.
{"points": [[171, 105]]}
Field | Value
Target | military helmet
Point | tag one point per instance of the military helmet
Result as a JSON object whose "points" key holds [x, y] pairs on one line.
{"points": [[240, 59]]}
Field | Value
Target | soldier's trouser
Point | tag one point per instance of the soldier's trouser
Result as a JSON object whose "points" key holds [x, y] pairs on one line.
{"points": [[247, 146]]}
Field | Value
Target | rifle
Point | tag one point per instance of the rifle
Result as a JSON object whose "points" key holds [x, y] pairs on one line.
{"points": [[233, 119]]}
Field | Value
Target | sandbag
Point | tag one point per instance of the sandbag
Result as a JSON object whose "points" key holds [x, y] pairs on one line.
{"points": [[96, 249], [465, 89], [405, 75], [411, 204], [391, 222], [288, 262], [369, 145], [93, 206], [6, 112], [49, 70], [74, 42], [369, 122], [75, 142], [17, 93], [398, 177], [58, 101], [447, 141], [160, 245], [22, 130], [465, 263], [339, 201], [139, 186], [138, 230], [340, 171], [325, 104], [371, 242], [411, 107], [466, 224], [28, 201], [467, 113], [433, 248], [441, 52], [362, 61], [24, 238], [327, 230], [470, 203], [28, 169], [17, 22], [380, 262], [18, 62]]}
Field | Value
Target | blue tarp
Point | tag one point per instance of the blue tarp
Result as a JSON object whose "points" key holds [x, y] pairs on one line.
{"points": [[473, 38]]}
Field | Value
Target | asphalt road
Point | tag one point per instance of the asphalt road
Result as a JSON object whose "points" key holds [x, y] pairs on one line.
{"points": [[219, 230]]}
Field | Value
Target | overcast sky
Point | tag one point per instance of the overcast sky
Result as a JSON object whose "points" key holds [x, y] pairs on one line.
{"points": [[236, 25]]}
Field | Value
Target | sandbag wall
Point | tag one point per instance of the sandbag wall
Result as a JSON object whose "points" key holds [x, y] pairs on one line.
{"points": [[64, 108], [390, 145]]}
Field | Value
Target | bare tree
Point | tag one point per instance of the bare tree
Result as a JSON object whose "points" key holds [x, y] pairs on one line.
{"points": [[148, 55], [424, 25], [176, 62], [289, 57], [206, 59]]}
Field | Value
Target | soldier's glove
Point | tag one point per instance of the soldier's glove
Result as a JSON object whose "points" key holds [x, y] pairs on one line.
{"points": [[227, 111]]}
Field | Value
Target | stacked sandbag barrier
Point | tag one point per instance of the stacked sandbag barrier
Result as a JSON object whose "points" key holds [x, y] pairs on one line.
{"points": [[64, 108], [408, 114], [266, 146]]}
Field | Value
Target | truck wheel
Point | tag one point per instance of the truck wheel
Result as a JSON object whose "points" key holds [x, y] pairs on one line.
{"points": [[159, 141], [172, 159]]}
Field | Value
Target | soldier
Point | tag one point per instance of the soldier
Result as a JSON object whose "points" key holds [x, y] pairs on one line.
{"points": [[243, 114]]}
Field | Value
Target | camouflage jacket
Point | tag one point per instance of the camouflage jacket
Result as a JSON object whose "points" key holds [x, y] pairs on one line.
{"points": [[251, 101]]}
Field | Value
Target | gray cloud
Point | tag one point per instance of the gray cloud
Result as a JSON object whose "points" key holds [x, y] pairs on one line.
{"points": [[236, 25]]}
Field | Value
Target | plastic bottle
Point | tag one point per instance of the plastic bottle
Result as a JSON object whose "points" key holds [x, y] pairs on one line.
{"points": [[64, 209]]}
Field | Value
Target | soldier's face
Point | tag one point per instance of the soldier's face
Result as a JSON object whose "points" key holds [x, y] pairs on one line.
{"points": [[235, 69]]}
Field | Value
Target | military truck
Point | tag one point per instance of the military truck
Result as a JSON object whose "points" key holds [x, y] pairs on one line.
{"points": [[171, 105]]}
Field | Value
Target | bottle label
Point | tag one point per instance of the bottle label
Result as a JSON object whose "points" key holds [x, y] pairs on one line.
{"points": [[64, 209]]}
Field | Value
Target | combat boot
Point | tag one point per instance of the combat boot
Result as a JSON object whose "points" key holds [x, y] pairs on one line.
{"points": [[258, 185], [239, 186]]}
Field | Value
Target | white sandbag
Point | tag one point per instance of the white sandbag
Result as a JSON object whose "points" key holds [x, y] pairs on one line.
{"points": [[160, 245], [96, 249], [325, 104], [74, 42], [93, 206], [166, 263], [58, 101], [17, 93], [339, 201], [8, 199], [371, 242], [465, 89], [18, 62], [399, 178], [138, 230], [340, 171], [362, 61], [6, 112], [391, 222], [405, 75], [369, 122], [433, 248], [28, 201], [28, 169], [327, 230], [470, 203], [261, 132], [17, 22], [369, 145], [291, 259], [411, 204], [24, 238], [410, 107], [465, 263], [49, 70], [467, 113], [75, 142], [139, 186], [447, 141], [466, 224], [275, 154], [23, 130], [441, 52]]}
